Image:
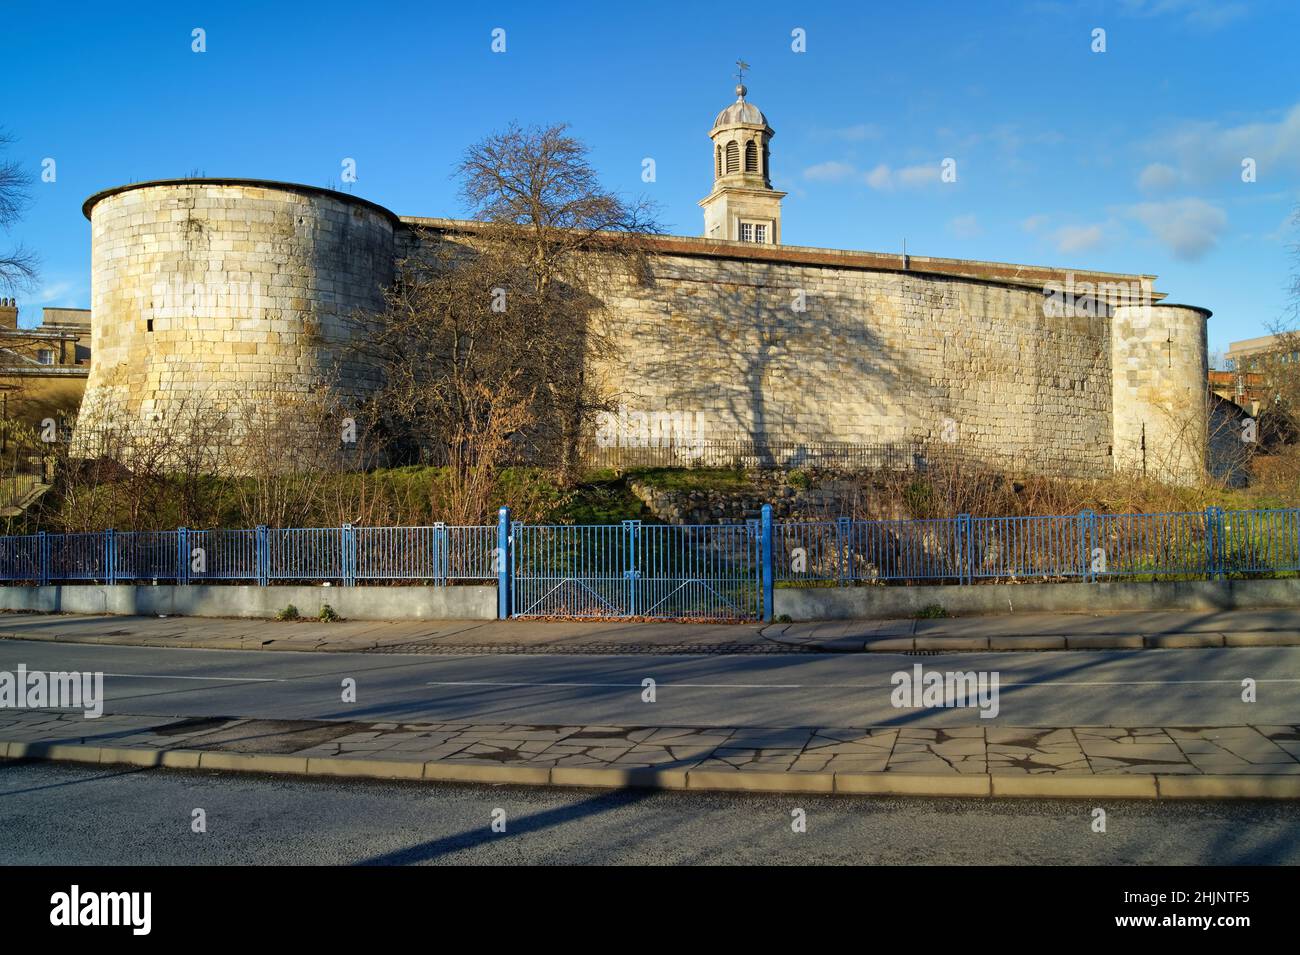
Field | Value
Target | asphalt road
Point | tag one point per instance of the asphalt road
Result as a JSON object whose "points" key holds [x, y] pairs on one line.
{"points": [[54, 813], [1134, 688]]}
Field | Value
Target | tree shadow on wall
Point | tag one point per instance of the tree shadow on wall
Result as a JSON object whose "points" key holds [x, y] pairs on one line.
{"points": [[729, 346]]}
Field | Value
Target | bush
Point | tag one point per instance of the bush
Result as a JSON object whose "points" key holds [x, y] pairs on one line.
{"points": [[288, 613], [930, 611], [328, 614]]}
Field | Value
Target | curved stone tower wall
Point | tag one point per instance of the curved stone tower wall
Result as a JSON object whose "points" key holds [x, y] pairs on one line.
{"points": [[1160, 373], [211, 293]]}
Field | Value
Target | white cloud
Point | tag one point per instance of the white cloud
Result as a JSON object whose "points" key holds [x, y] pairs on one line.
{"points": [[832, 171], [918, 175], [965, 227], [1211, 151], [1033, 223], [879, 178], [52, 292], [1157, 177], [907, 177], [1286, 230], [1078, 238], [1189, 227], [882, 176]]}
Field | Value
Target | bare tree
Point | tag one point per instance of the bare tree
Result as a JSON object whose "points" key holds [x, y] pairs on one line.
{"points": [[285, 450], [537, 190], [17, 265], [487, 337]]}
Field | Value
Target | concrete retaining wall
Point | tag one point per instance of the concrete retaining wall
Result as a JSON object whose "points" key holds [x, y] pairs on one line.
{"points": [[479, 602], [884, 602], [197, 600]]}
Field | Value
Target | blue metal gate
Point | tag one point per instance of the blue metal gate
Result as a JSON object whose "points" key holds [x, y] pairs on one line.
{"points": [[695, 571]]}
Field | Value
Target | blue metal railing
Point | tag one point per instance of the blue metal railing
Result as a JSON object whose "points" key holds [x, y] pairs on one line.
{"points": [[348, 555], [1085, 546], [705, 571]]}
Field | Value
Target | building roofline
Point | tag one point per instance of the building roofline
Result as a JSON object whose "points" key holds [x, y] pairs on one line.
{"points": [[45, 333], [298, 187], [1035, 276], [1005, 273], [45, 371], [1194, 308], [1261, 343]]}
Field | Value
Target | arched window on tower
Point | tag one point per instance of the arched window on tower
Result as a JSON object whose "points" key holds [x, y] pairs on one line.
{"points": [[751, 157], [733, 157], [718, 164]]}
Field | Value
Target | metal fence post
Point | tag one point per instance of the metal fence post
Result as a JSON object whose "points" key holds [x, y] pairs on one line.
{"points": [[110, 557], [182, 555], [440, 553], [1221, 532], [1209, 543], [1087, 533], [42, 560], [1214, 544], [964, 538], [263, 557], [631, 572], [504, 562], [843, 539], [347, 542], [766, 555]]}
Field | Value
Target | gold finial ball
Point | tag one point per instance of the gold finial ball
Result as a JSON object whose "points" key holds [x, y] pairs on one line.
{"points": [[741, 91]]}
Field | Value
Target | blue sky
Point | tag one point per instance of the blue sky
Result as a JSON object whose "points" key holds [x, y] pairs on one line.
{"points": [[1127, 160]]}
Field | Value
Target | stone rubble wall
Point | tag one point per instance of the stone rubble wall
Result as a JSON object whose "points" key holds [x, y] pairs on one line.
{"points": [[210, 292], [874, 357]]}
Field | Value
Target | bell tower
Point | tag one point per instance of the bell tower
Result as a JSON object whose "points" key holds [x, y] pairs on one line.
{"points": [[743, 206]]}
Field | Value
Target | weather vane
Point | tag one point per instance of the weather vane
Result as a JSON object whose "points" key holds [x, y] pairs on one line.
{"points": [[742, 66]]}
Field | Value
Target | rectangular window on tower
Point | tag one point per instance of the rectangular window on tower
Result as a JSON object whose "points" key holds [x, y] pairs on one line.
{"points": [[747, 232], [760, 233]]}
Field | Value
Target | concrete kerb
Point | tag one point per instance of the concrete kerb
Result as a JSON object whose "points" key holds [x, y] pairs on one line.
{"points": [[978, 785], [1051, 642]]}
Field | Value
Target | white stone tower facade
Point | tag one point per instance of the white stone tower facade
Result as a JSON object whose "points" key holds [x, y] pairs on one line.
{"points": [[743, 206]]}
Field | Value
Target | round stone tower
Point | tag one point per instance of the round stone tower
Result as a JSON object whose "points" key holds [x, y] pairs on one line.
{"points": [[209, 292], [1160, 398]]}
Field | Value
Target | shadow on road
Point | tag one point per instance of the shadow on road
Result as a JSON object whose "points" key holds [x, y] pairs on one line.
{"points": [[537, 822]]}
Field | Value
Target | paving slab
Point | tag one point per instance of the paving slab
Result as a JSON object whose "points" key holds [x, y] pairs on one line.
{"points": [[1241, 761]]}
